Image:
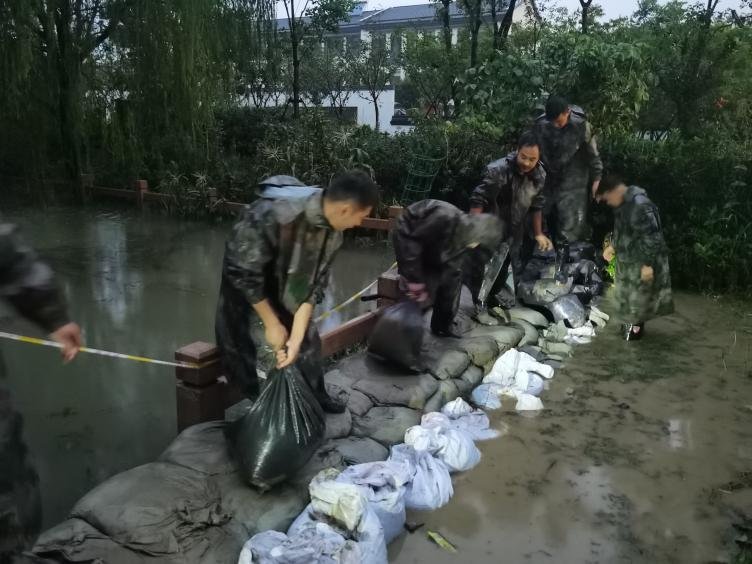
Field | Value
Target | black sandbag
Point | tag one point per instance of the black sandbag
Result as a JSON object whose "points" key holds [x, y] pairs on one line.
{"points": [[398, 335], [281, 431], [581, 251]]}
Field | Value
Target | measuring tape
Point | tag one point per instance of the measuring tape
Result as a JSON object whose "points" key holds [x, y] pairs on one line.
{"points": [[349, 300], [43, 342]]}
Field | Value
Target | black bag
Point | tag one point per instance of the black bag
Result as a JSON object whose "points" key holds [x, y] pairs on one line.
{"points": [[581, 250], [398, 335], [281, 431]]}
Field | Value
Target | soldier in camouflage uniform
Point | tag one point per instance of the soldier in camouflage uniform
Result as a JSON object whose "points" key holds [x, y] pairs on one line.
{"points": [[430, 241], [643, 279], [276, 268], [29, 286], [573, 166], [512, 189]]}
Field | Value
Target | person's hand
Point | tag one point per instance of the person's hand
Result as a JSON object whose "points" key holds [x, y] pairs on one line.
{"points": [[544, 243], [476, 210], [609, 253], [69, 336], [417, 291], [288, 354], [646, 273], [276, 335], [594, 190]]}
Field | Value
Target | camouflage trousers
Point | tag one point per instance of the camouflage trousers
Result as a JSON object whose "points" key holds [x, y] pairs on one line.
{"points": [[567, 208], [20, 505], [640, 301]]}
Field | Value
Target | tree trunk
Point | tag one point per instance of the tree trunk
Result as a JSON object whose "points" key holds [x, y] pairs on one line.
{"points": [[474, 43], [446, 25], [376, 110], [585, 5], [506, 25], [295, 79]]}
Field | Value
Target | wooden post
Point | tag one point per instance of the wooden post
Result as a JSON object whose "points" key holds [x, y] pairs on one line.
{"points": [[141, 187], [388, 288], [202, 392], [86, 183]]}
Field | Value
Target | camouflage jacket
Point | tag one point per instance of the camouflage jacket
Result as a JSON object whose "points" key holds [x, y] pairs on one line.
{"points": [[638, 240], [281, 249], [638, 237], [28, 284], [424, 239], [509, 193], [571, 146]]}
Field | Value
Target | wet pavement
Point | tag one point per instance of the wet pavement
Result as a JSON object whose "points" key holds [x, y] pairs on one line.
{"points": [[138, 283], [642, 454]]}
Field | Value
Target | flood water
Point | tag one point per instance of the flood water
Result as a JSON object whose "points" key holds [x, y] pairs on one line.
{"points": [[138, 283], [643, 454]]}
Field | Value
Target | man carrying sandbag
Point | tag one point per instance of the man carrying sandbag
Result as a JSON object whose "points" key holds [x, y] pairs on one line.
{"points": [[430, 240], [276, 268], [512, 188]]}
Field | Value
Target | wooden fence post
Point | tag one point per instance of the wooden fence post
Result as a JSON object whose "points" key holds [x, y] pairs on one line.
{"points": [[202, 392], [141, 187]]}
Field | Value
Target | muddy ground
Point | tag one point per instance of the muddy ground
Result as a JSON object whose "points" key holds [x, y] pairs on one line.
{"points": [[643, 454]]}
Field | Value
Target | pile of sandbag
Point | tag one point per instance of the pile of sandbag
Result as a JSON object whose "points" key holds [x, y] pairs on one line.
{"points": [[355, 513]]}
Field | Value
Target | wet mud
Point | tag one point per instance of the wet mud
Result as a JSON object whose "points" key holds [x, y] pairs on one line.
{"points": [[643, 454]]}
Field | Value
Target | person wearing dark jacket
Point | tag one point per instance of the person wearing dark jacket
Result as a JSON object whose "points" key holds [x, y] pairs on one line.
{"points": [[643, 278], [29, 286], [430, 241], [276, 268], [512, 189], [573, 169]]}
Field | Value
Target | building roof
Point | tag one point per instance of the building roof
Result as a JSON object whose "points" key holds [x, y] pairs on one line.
{"points": [[396, 16]]}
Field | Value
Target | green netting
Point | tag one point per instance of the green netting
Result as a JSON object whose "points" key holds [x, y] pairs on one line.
{"points": [[420, 175]]}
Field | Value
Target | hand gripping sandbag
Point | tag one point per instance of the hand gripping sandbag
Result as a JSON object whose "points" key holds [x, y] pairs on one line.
{"points": [[398, 335], [280, 432]]}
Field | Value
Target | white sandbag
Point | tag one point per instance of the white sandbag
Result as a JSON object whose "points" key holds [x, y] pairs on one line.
{"points": [[534, 384], [453, 447], [527, 402], [463, 417], [384, 485], [431, 485], [487, 396], [342, 502], [510, 363], [368, 535], [317, 543]]}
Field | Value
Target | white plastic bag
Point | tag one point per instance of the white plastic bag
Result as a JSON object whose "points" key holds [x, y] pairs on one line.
{"points": [[340, 501], [368, 535], [527, 402], [431, 485], [384, 485], [453, 447], [317, 543], [487, 396], [460, 415], [508, 365]]}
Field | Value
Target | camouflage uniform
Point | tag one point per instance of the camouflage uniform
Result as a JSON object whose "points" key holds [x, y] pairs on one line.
{"points": [[638, 240], [510, 194], [29, 286], [281, 250], [572, 162], [429, 243]]}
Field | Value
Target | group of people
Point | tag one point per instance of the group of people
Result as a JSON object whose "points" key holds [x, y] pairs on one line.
{"points": [[278, 258]]}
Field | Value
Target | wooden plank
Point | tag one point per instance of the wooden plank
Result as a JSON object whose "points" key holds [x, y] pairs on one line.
{"points": [[395, 211], [114, 192], [348, 334], [376, 223]]}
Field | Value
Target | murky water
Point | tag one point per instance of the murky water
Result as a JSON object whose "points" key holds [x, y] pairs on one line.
{"points": [[640, 455], [139, 283]]}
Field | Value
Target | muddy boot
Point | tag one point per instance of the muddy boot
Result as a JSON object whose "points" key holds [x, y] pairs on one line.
{"points": [[484, 317], [633, 331], [505, 298], [447, 333]]}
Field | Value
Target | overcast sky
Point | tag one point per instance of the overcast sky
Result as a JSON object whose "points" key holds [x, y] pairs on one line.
{"points": [[612, 8]]}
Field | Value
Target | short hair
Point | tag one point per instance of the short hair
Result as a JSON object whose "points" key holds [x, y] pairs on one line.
{"points": [[353, 185], [555, 106], [608, 183], [528, 139]]}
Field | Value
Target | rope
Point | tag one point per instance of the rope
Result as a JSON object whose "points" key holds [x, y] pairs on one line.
{"points": [[349, 300], [43, 342]]}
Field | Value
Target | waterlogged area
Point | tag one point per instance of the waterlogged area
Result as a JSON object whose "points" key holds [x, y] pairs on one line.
{"points": [[643, 454], [138, 283]]}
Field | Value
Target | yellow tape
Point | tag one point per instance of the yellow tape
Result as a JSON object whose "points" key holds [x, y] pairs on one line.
{"points": [[46, 343], [349, 300]]}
